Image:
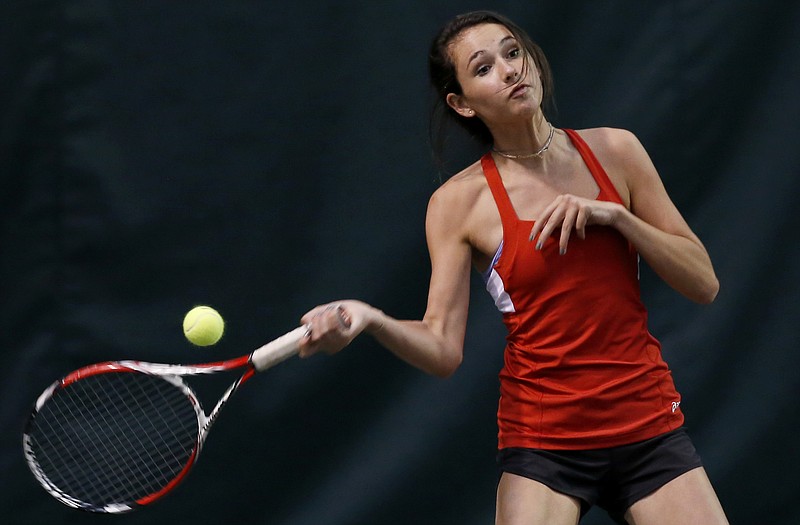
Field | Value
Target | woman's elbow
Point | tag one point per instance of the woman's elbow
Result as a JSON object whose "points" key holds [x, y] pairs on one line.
{"points": [[712, 292], [448, 366], [706, 293]]}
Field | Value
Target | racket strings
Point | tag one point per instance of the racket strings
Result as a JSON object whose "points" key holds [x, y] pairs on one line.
{"points": [[114, 438]]}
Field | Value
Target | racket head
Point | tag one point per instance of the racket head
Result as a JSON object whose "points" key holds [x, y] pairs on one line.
{"points": [[111, 438]]}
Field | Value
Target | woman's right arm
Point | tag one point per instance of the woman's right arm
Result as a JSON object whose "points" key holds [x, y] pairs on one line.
{"points": [[434, 344]]}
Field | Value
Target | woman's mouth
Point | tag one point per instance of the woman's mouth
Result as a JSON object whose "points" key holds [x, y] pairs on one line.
{"points": [[519, 90]]}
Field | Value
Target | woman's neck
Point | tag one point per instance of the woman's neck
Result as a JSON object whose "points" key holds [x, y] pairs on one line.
{"points": [[524, 139]]}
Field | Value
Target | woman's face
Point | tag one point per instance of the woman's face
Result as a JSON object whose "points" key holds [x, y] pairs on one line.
{"points": [[496, 84]]}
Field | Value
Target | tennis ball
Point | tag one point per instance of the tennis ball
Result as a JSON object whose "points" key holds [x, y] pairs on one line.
{"points": [[203, 326]]}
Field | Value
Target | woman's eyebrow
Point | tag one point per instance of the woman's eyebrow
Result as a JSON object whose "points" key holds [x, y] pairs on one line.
{"points": [[480, 52]]}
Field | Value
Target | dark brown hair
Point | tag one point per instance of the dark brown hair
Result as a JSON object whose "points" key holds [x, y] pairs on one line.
{"points": [[442, 71]]}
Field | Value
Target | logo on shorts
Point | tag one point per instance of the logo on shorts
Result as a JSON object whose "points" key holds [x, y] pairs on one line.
{"points": [[675, 406]]}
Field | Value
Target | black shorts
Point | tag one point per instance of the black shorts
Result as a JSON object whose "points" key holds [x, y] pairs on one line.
{"points": [[611, 478]]}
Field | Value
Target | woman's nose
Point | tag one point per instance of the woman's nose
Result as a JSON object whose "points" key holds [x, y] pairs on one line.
{"points": [[510, 73]]}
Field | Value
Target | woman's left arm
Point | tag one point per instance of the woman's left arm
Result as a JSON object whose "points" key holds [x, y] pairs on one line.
{"points": [[656, 228], [652, 223]]}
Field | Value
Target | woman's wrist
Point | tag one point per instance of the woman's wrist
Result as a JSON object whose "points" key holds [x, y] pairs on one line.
{"points": [[376, 323], [618, 216]]}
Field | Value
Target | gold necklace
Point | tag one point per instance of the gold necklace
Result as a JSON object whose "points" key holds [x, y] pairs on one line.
{"points": [[538, 154]]}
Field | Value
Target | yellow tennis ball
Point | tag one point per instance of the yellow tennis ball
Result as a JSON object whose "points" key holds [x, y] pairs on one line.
{"points": [[203, 326]]}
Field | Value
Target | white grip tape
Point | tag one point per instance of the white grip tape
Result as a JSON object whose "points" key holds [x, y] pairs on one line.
{"points": [[278, 349]]}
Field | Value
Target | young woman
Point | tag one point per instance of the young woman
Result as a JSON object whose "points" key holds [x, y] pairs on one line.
{"points": [[555, 220]]}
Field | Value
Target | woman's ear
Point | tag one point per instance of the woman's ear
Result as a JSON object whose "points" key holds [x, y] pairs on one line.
{"points": [[459, 105]]}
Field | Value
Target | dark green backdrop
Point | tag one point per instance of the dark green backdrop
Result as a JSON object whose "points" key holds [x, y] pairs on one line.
{"points": [[263, 157]]}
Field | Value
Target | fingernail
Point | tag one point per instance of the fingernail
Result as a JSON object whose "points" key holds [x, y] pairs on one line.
{"points": [[539, 245], [562, 251]]}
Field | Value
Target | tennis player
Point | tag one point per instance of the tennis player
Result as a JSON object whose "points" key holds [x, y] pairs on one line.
{"points": [[555, 221]]}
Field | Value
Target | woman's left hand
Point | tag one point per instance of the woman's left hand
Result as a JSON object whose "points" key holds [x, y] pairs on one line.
{"points": [[572, 213]]}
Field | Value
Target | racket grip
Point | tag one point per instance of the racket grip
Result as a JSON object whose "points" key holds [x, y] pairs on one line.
{"points": [[278, 349]]}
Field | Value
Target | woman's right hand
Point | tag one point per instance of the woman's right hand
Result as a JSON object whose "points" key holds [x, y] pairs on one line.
{"points": [[333, 326]]}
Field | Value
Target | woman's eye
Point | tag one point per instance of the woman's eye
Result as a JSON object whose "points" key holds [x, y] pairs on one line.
{"points": [[482, 70], [514, 53]]}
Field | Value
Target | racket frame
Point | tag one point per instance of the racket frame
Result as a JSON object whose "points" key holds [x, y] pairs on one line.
{"points": [[260, 359]]}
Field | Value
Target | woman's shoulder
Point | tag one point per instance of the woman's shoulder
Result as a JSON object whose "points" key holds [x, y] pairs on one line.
{"points": [[609, 140], [464, 185], [460, 198], [618, 150]]}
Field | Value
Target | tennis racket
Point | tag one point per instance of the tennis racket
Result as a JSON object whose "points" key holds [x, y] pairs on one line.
{"points": [[113, 437]]}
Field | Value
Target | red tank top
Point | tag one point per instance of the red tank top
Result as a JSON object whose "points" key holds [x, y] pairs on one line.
{"points": [[581, 369]]}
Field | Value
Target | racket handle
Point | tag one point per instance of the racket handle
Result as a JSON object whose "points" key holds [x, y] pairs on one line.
{"points": [[278, 349]]}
